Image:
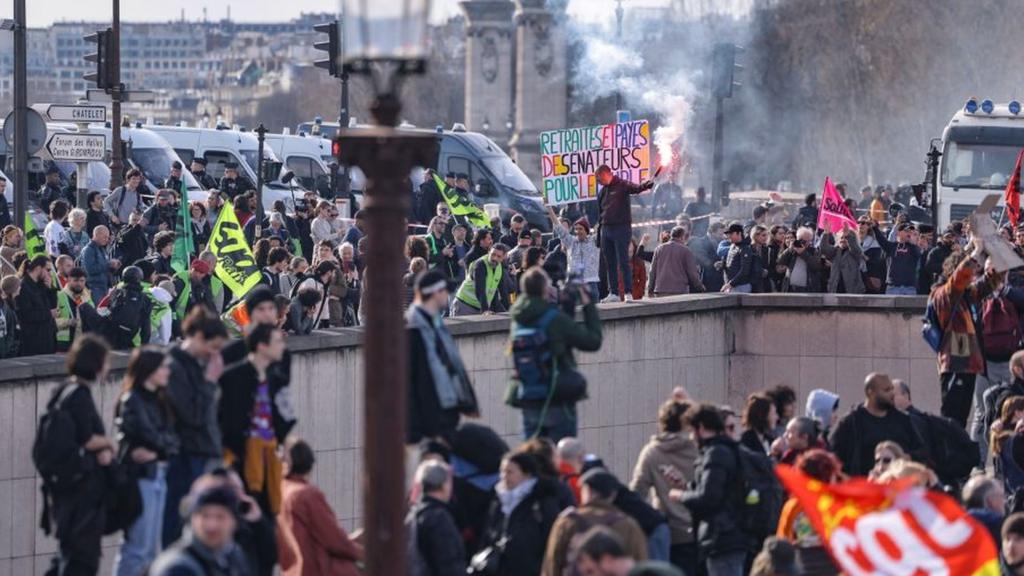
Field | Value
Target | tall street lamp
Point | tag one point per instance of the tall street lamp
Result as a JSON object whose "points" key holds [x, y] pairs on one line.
{"points": [[386, 40]]}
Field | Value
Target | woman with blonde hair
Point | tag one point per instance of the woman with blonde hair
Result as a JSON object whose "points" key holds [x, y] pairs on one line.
{"points": [[886, 454]]}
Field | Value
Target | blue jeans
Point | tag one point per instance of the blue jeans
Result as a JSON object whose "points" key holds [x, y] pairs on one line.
{"points": [[595, 290], [615, 251], [182, 471], [659, 543], [731, 564], [142, 540], [743, 289], [559, 422], [901, 291]]}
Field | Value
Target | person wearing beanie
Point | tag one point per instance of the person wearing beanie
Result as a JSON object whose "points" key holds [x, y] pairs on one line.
{"points": [[208, 547], [583, 255], [597, 493], [440, 390], [198, 291]]}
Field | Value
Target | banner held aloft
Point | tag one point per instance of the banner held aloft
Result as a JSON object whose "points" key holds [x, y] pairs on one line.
{"points": [[236, 266]]}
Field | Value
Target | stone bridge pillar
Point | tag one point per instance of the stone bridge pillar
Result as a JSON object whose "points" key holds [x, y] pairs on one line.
{"points": [[541, 79], [489, 71]]}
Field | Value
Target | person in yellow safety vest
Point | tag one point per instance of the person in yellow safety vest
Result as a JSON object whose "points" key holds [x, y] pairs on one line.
{"points": [[484, 290], [69, 298]]}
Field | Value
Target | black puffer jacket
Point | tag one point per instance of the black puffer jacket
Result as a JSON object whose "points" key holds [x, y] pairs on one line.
{"points": [[438, 539], [194, 402], [142, 422], [714, 497], [527, 529]]}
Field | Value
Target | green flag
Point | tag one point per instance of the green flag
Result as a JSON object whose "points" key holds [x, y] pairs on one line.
{"points": [[184, 247], [182, 256], [34, 243], [462, 206]]}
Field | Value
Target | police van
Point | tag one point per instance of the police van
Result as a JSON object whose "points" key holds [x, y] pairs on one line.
{"points": [[307, 157], [494, 177], [219, 147], [979, 152]]}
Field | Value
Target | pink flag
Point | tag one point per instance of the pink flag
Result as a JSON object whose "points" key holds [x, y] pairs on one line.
{"points": [[834, 210]]}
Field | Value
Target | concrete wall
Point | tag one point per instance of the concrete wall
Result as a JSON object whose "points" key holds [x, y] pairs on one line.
{"points": [[719, 347]]}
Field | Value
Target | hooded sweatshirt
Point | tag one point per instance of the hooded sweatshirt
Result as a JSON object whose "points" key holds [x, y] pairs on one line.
{"points": [[161, 334], [820, 405], [667, 463]]}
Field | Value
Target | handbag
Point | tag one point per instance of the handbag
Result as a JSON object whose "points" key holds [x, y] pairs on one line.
{"points": [[487, 562], [570, 387]]}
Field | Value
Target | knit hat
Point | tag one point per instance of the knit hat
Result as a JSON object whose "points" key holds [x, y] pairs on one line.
{"points": [[583, 222], [201, 266], [219, 495], [257, 296]]}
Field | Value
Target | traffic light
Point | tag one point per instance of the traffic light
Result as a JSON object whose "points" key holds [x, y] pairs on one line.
{"points": [[723, 69], [332, 46], [103, 75]]}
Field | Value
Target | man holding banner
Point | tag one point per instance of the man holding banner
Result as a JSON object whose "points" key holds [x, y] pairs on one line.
{"points": [[616, 230]]}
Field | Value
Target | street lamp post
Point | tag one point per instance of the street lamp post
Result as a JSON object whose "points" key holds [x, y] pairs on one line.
{"points": [[386, 40], [261, 135]]}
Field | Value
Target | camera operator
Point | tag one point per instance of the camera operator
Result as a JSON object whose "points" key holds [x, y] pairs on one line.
{"points": [[546, 385]]}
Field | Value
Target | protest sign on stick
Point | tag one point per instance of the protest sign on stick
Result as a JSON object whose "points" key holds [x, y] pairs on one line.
{"points": [[570, 158]]}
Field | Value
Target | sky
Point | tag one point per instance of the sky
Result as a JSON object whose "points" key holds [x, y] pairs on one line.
{"points": [[45, 12]]}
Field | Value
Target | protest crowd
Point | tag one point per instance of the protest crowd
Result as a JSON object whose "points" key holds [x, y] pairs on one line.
{"points": [[203, 474]]}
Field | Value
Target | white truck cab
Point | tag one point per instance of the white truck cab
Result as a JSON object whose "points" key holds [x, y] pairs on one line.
{"points": [[219, 147], [308, 157], [980, 146]]}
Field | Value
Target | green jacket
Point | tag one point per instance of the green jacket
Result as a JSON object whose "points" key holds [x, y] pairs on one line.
{"points": [[564, 333]]}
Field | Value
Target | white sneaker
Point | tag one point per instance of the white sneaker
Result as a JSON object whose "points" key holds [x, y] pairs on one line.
{"points": [[611, 298], [629, 297]]}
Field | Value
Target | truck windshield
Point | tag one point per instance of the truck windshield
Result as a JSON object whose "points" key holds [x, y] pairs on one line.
{"points": [[508, 174], [251, 158], [981, 157], [99, 174], [155, 163]]}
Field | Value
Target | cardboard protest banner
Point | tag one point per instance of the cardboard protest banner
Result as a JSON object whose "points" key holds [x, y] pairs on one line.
{"points": [[236, 266], [570, 158], [1001, 254], [461, 205], [834, 211], [892, 529]]}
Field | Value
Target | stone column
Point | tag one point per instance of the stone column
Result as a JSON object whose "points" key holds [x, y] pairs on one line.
{"points": [[489, 67], [541, 79]]}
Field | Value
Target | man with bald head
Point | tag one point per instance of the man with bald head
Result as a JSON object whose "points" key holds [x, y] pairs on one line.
{"points": [[98, 267], [873, 422]]}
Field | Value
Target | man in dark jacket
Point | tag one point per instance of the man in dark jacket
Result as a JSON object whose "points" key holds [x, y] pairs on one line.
{"points": [[94, 215], [196, 366], [563, 335], [440, 391], [738, 262], [616, 221], [51, 190], [705, 250], [173, 181], [950, 451], [255, 415], [161, 216], [715, 494], [426, 199], [904, 258], [438, 541], [943, 249], [198, 170], [132, 243], [876, 420], [807, 216], [129, 323], [233, 185], [37, 309]]}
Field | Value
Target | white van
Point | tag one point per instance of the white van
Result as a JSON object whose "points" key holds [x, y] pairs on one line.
{"points": [[308, 157], [148, 152], [220, 147]]}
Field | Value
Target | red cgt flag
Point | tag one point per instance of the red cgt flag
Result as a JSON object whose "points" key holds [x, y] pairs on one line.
{"points": [[895, 529], [1012, 195]]}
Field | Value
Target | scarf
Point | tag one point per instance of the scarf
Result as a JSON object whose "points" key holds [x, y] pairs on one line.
{"points": [[446, 369], [511, 498]]}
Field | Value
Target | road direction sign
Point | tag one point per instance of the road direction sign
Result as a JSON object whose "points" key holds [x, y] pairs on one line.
{"points": [[75, 147], [35, 129], [73, 112]]}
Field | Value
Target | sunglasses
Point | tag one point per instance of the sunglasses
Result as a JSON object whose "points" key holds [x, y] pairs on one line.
{"points": [[883, 460]]}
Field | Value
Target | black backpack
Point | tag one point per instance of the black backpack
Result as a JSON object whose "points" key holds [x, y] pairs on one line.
{"points": [[59, 459], [953, 452], [761, 495], [126, 312]]}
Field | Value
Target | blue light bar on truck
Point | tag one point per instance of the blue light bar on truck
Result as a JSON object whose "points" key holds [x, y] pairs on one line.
{"points": [[987, 106], [972, 106], [1014, 107]]}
